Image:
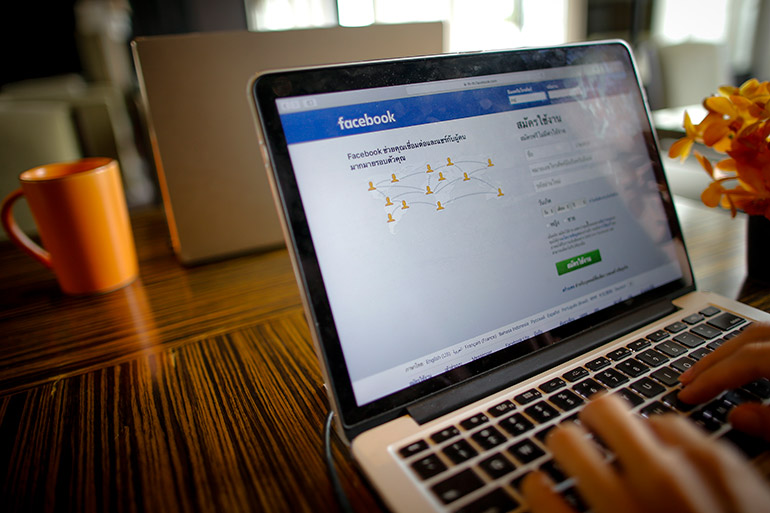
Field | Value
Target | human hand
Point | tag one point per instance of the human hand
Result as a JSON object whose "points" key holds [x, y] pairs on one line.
{"points": [[663, 465], [737, 362]]}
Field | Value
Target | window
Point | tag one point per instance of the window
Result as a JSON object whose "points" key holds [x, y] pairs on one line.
{"points": [[731, 23], [472, 24]]}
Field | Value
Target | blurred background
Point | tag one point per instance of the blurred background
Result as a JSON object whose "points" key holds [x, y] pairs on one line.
{"points": [[68, 62]]}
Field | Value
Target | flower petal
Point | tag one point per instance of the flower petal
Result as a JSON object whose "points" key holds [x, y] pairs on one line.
{"points": [[750, 179], [726, 165], [707, 122], [721, 105], [705, 163], [740, 101], [681, 148], [688, 126], [715, 133], [728, 90], [723, 146], [758, 110], [749, 129], [748, 87], [712, 195]]}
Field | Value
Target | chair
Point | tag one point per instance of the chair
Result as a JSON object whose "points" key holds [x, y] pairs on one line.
{"points": [[101, 121], [33, 133]]}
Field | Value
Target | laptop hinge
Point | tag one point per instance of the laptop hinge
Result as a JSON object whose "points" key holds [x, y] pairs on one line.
{"points": [[450, 399]]}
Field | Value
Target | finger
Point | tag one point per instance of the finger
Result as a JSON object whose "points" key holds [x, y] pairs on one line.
{"points": [[752, 418], [713, 458], [653, 475], [679, 433], [538, 491], [596, 480], [751, 361], [631, 441], [676, 431], [728, 477], [754, 333]]}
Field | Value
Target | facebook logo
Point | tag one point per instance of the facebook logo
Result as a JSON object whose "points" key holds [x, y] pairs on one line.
{"points": [[366, 120]]}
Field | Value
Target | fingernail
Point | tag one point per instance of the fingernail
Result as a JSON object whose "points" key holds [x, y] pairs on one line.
{"points": [[534, 479], [683, 394], [686, 376], [746, 419]]}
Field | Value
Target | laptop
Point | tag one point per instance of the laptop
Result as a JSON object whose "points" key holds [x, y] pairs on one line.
{"points": [[484, 241], [201, 129]]}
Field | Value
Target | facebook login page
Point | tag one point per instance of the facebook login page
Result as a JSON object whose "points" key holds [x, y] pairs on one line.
{"points": [[453, 219]]}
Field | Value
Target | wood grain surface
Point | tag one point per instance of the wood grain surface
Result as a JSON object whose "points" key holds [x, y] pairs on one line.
{"points": [[47, 335], [195, 389], [231, 422]]}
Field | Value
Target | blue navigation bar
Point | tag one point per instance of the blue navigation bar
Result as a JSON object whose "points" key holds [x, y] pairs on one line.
{"points": [[363, 118]]}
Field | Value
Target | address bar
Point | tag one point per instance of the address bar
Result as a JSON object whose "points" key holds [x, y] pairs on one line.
{"points": [[474, 82], [452, 85], [440, 87]]}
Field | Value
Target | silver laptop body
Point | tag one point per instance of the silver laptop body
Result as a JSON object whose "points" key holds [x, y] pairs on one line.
{"points": [[484, 241], [202, 131]]}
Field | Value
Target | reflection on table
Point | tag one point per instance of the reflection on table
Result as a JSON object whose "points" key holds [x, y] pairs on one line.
{"points": [[197, 389]]}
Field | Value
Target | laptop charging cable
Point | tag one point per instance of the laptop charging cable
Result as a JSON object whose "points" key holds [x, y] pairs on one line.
{"points": [[342, 498]]}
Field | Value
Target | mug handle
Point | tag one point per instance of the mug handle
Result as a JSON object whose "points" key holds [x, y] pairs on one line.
{"points": [[16, 235]]}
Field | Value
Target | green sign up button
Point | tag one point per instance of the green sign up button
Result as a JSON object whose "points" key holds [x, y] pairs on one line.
{"points": [[575, 263]]}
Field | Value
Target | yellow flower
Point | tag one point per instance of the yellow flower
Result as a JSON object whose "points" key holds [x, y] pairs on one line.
{"points": [[737, 124], [682, 147]]}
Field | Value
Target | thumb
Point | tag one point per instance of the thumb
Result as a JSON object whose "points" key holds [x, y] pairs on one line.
{"points": [[752, 418]]}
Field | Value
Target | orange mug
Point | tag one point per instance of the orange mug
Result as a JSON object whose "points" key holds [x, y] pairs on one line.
{"points": [[82, 219]]}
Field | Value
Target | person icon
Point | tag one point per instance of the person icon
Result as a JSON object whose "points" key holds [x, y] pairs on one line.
{"points": [[387, 201], [427, 190], [500, 192], [489, 163], [440, 207], [372, 187], [404, 206], [390, 218], [449, 161], [441, 176], [429, 169], [393, 178], [465, 177]]}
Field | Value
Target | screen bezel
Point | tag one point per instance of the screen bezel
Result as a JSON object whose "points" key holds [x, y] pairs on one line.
{"points": [[269, 87]]}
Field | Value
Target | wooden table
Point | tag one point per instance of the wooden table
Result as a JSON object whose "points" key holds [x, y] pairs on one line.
{"points": [[195, 389]]}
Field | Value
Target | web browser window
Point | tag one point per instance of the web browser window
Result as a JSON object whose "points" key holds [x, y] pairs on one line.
{"points": [[471, 215]]}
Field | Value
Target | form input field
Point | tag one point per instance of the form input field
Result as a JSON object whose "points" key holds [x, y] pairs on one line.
{"points": [[603, 170], [550, 150], [561, 164], [563, 93], [516, 99]]}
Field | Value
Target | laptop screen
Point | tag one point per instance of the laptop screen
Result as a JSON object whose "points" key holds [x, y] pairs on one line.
{"points": [[453, 220]]}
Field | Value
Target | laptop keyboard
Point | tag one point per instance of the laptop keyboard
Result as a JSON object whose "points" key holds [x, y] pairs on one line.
{"points": [[478, 464]]}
